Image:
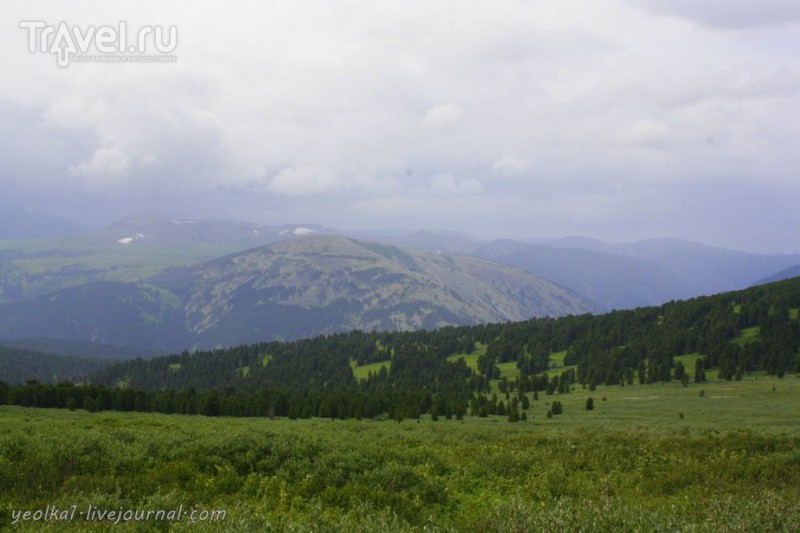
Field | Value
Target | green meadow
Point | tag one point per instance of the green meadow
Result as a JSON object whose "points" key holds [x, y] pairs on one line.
{"points": [[717, 456]]}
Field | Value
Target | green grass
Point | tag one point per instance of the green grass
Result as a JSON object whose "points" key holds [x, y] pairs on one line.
{"points": [[557, 365], [471, 359], [748, 335], [688, 361], [508, 370], [557, 358], [794, 314], [725, 405], [362, 372], [731, 463]]}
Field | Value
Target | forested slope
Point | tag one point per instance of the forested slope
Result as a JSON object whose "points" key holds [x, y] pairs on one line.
{"points": [[734, 333]]}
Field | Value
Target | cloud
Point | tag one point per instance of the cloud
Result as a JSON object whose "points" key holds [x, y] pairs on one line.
{"points": [[728, 14], [446, 185], [510, 164], [441, 117], [647, 134], [311, 111], [105, 162], [304, 180]]}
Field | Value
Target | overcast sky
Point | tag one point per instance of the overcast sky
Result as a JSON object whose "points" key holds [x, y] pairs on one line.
{"points": [[614, 119]]}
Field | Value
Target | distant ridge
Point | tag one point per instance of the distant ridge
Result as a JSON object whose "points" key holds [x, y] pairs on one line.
{"points": [[295, 288], [324, 284], [612, 280], [154, 228], [708, 268], [16, 224], [19, 365], [791, 272]]}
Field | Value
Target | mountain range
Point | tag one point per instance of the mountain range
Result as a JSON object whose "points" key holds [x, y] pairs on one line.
{"points": [[152, 283], [305, 286], [16, 224], [710, 269]]}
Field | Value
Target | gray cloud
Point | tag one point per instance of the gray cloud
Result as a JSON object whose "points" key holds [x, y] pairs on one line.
{"points": [[518, 119], [730, 14]]}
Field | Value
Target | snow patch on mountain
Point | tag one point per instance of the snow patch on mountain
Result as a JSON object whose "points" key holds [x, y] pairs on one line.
{"points": [[132, 238]]}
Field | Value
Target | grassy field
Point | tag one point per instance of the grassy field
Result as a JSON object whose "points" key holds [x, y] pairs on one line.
{"points": [[721, 456], [363, 371], [747, 336], [472, 358]]}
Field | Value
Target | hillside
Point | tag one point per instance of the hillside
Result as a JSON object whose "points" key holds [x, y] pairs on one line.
{"points": [[19, 365], [316, 285], [153, 228], [131, 249], [297, 288], [614, 276], [788, 273], [143, 318], [612, 280], [755, 330], [711, 269], [20, 224], [617, 276]]}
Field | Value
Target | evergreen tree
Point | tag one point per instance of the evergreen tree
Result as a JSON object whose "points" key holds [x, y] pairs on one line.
{"points": [[699, 372], [679, 371]]}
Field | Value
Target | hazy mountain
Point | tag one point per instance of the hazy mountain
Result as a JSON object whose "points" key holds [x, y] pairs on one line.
{"points": [[120, 314], [318, 285], [17, 224], [34, 268], [153, 228], [710, 269], [144, 245], [297, 288], [788, 273], [436, 242], [613, 281], [69, 348], [129, 250]]}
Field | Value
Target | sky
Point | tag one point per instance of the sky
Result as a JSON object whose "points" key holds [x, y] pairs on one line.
{"points": [[613, 119]]}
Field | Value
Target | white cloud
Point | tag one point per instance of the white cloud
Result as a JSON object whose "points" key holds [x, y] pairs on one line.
{"points": [[511, 164], [647, 134], [304, 180], [442, 116], [306, 105], [104, 163], [446, 185], [728, 13]]}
